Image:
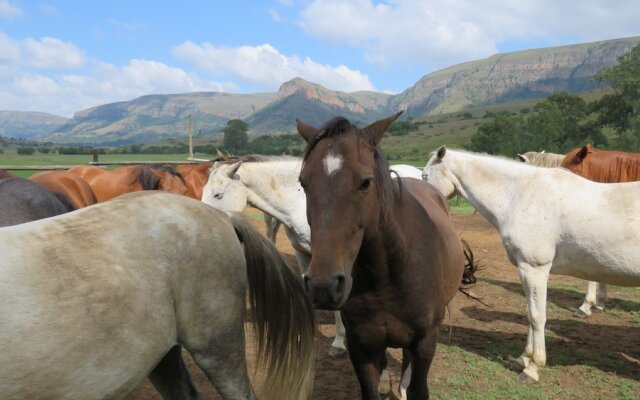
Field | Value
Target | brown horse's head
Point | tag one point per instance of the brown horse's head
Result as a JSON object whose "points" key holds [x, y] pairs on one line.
{"points": [[170, 179], [573, 161], [348, 187]]}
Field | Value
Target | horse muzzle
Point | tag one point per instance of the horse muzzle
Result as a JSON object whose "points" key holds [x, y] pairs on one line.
{"points": [[328, 293]]}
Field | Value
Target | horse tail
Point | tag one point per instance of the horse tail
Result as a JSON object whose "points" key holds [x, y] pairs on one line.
{"points": [[283, 316], [468, 275]]}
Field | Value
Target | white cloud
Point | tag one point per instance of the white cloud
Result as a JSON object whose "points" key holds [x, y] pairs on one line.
{"points": [[51, 53], [9, 10], [30, 78], [438, 33], [265, 66]]}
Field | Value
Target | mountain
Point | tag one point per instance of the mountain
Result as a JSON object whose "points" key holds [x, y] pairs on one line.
{"points": [[315, 104], [155, 117], [28, 124], [511, 76], [497, 79]]}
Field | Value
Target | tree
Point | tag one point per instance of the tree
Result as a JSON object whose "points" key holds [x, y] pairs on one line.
{"points": [[624, 78], [26, 151], [235, 134]]}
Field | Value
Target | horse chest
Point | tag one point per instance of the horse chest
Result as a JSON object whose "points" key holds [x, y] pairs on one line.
{"points": [[374, 322]]}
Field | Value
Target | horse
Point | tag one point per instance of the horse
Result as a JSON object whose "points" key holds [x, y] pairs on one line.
{"points": [[72, 185], [596, 292], [271, 185], [542, 159], [91, 303], [195, 177], [369, 256], [109, 184], [605, 167], [23, 201], [551, 221]]}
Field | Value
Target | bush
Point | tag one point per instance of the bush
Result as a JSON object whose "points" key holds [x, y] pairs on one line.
{"points": [[26, 151]]}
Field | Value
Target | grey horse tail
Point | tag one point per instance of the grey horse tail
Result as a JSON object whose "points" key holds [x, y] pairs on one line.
{"points": [[283, 316]]}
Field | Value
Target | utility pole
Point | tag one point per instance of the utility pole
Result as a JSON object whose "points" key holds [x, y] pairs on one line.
{"points": [[190, 135]]}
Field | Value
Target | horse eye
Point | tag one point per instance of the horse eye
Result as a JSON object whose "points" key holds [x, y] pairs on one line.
{"points": [[218, 196], [365, 185]]}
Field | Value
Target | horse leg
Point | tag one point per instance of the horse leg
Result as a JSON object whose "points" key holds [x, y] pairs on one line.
{"points": [[406, 374], [422, 354], [367, 364], [171, 377], [337, 347], [534, 280], [384, 386], [590, 299], [601, 297]]}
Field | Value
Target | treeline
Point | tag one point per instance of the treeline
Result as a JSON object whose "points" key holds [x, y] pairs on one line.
{"points": [[564, 121]]}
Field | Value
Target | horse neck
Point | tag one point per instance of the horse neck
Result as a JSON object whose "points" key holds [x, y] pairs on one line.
{"points": [[488, 183], [273, 187]]}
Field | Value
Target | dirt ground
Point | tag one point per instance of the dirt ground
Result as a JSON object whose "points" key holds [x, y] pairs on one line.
{"points": [[604, 343]]}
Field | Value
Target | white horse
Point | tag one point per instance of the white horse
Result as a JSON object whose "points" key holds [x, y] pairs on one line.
{"points": [[93, 301], [550, 221], [596, 293], [272, 186]]}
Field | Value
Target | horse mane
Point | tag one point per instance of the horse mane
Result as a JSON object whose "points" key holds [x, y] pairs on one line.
{"points": [[605, 166], [384, 182], [145, 177], [549, 160]]}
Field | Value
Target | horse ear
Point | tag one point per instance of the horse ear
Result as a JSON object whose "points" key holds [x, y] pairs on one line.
{"points": [[231, 169], [582, 153], [542, 152], [522, 158], [441, 152], [378, 128], [308, 132]]}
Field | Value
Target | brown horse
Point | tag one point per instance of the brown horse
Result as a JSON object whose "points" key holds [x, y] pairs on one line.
{"points": [[603, 166], [109, 184], [383, 250], [195, 177], [171, 180], [72, 185]]}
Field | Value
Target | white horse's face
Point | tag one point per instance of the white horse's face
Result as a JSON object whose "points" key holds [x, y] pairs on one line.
{"points": [[437, 174], [224, 190]]}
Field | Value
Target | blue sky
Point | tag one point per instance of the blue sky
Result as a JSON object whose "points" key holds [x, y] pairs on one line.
{"points": [[65, 56]]}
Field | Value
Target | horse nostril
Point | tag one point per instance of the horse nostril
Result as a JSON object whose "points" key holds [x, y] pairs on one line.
{"points": [[340, 284]]}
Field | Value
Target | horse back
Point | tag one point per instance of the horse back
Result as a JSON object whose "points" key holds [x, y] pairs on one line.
{"points": [[429, 230], [77, 190], [23, 201]]}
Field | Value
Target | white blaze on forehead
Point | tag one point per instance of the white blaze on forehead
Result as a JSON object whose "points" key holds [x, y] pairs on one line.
{"points": [[332, 163]]}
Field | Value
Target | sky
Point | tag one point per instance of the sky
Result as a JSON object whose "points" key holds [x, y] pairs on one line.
{"points": [[65, 56]]}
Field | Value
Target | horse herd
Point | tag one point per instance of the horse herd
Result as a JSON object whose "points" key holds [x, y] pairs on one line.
{"points": [[92, 274]]}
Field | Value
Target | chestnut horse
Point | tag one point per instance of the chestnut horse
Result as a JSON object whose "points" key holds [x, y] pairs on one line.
{"points": [[369, 256], [195, 177], [72, 185], [171, 180], [109, 184]]}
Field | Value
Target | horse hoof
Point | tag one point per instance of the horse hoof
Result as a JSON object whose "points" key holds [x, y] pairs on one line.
{"points": [[337, 352], [528, 377], [597, 309], [523, 361], [580, 314]]}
